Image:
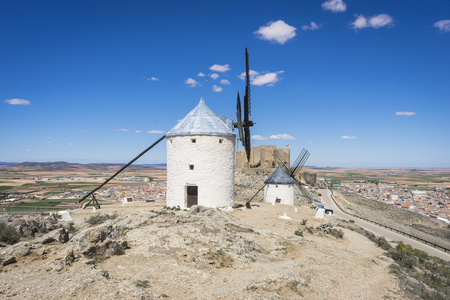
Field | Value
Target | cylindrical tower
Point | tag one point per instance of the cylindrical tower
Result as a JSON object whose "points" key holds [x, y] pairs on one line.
{"points": [[200, 160], [279, 188]]}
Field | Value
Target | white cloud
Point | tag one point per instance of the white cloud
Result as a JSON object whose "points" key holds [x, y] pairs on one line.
{"points": [[16, 101], [269, 79], [121, 130], [405, 113], [138, 131], [443, 25], [334, 5], [261, 79], [155, 131], [380, 20], [252, 75], [311, 26], [376, 22], [278, 32], [220, 68], [201, 74], [225, 82], [153, 79], [284, 136], [348, 137], [258, 138], [214, 76], [191, 82], [360, 22], [70, 144], [217, 89], [28, 150]]}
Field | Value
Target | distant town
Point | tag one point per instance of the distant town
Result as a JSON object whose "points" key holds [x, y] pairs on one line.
{"points": [[140, 189], [434, 203]]}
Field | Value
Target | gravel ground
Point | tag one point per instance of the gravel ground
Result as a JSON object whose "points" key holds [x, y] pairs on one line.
{"points": [[240, 254]]}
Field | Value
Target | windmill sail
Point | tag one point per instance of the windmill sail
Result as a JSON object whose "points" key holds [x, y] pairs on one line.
{"points": [[239, 119], [244, 126]]}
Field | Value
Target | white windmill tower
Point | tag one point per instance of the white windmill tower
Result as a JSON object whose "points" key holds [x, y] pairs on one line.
{"points": [[279, 188], [200, 160], [200, 156]]}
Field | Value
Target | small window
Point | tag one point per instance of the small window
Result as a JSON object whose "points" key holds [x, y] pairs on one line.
{"points": [[191, 167], [220, 141], [276, 186], [193, 141]]}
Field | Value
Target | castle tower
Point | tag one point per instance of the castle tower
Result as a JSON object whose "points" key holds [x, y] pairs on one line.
{"points": [[279, 188], [200, 160]]}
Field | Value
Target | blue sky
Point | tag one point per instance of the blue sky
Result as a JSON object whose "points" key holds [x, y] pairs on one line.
{"points": [[357, 83]]}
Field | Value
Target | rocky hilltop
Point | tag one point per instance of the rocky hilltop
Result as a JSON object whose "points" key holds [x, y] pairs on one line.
{"points": [[144, 251]]}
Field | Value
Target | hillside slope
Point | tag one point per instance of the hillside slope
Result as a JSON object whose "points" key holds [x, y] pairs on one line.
{"points": [[413, 223], [243, 254]]}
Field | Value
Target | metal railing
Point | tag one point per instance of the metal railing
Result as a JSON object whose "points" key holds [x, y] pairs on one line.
{"points": [[390, 228]]}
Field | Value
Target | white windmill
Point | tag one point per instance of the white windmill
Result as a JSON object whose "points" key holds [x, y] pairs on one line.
{"points": [[200, 160]]}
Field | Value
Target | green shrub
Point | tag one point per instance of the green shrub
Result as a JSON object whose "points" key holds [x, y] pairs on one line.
{"points": [[71, 228], [142, 283], [422, 275], [382, 243], [304, 222], [337, 233], [119, 250], [8, 234], [54, 218], [299, 232]]}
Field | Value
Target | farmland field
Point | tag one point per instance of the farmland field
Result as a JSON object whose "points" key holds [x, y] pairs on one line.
{"points": [[428, 178], [35, 184]]}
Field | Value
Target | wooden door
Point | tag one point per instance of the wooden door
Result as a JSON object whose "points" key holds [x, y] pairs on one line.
{"points": [[191, 195]]}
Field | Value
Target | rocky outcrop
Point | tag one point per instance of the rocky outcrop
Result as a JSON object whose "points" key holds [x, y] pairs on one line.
{"points": [[37, 226]]}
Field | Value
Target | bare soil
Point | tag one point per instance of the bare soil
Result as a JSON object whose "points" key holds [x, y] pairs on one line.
{"points": [[242, 254]]}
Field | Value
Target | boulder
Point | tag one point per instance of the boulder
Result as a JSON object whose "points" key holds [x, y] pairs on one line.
{"points": [[59, 235], [8, 261]]}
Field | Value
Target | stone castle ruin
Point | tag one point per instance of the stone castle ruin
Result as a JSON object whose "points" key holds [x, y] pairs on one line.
{"points": [[263, 162], [261, 157]]}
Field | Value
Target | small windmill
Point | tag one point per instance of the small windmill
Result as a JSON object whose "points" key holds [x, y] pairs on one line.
{"points": [[294, 171], [291, 171], [244, 126]]}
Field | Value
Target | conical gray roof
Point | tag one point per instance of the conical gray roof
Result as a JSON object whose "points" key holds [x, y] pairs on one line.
{"points": [[279, 176], [203, 121]]}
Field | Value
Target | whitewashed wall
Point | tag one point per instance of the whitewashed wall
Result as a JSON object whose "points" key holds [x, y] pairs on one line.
{"points": [[213, 169], [283, 191]]}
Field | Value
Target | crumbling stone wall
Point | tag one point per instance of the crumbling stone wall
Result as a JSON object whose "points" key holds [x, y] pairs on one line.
{"points": [[261, 157]]}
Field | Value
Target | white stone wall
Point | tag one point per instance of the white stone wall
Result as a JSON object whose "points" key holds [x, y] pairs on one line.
{"points": [[213, 169], [283, 191]]}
